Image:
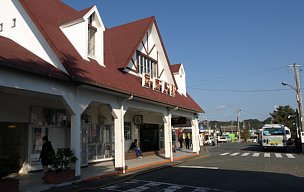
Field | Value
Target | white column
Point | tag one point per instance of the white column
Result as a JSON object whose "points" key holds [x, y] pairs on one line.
{"points": [[168, 136], [195, 135], [118, 115], [75, 140]]}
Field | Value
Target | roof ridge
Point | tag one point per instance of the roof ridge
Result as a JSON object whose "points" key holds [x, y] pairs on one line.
{"points": [[132, 22]]}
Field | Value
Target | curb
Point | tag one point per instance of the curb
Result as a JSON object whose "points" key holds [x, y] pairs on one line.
{"points": [[133, 169], [133, 172]]}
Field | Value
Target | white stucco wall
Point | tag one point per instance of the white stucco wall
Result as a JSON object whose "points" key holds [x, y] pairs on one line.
{"points": [[74, 32], [163, 63], [180, 79], [157, 53], [77, 33], [25, 33]]}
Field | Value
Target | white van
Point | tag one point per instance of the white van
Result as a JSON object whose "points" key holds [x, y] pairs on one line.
{"points": [[274, 136], [288, 133]]}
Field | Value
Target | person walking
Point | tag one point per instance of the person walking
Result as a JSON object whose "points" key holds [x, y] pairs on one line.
{"points": [[46, 152], [187, 140], [181, 140]]}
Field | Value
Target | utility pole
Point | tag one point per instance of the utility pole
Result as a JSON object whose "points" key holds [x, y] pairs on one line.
{"points": [[298, 91], [238, 123], [299, 100]]}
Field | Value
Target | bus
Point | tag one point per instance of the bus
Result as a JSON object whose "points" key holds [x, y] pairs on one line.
{"points": [[274, 136]]}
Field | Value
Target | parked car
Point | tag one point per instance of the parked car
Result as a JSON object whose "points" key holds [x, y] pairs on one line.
{"points": [[209, 140], [222, 139]]}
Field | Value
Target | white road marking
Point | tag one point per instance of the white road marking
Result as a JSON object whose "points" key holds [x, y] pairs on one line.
{"points": [[234, 154], [170, 187], [266, 154], [278, 155], [245, 154], [197, 167], [290, 156], [256, 154]]}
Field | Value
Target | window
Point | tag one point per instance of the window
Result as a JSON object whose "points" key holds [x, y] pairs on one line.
{"points": [[128, 135], [91, 36], [147, 65], [273, 131], [14, 23]]}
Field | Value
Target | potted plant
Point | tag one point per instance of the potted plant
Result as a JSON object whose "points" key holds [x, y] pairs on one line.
{"points": [[9, 163], [61, 163]]}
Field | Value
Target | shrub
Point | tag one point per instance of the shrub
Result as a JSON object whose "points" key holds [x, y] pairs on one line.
{"points": [[62, 159]]}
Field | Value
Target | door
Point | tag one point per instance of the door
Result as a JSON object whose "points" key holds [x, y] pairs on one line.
{"points": [[149, 137]]}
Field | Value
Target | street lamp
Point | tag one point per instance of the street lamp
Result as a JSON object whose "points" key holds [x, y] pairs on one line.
{"points": [[299, 101], [286, 84]]}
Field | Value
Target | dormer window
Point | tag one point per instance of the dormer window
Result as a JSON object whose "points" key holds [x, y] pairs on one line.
{"points": [[147, 65], [91, 34]]}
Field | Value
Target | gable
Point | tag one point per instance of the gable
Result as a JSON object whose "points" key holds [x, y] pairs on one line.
{"points": [[151, 46], [125, 39]]}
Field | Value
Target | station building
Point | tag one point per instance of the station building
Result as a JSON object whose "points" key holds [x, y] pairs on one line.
{"points": [[90, 88]]}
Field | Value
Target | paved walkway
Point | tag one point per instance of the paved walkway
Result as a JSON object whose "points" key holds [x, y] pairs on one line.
{"points": [[32, 182]]}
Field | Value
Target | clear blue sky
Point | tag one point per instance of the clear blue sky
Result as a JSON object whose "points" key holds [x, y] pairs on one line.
{"points": [[235, 52]]}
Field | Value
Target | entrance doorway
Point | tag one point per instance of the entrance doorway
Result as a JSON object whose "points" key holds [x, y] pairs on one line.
{"points": [[149, 137]]}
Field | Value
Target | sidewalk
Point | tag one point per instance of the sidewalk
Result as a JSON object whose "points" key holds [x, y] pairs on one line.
{"points": [[32, 182]]}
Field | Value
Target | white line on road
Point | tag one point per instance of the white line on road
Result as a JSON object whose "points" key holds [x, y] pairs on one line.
{"points": [[266, 154], [234, 154], [256, 154], [290, 156], [224, 154], [278, 155], [197, 167], [245, 154]]}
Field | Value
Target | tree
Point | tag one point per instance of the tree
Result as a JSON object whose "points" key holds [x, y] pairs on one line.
{"points": [[252, 124], [285, 115], [245, 135], [267, 121]]}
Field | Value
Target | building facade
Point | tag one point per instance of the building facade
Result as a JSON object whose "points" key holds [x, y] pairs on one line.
{"points": [[91, 88]]}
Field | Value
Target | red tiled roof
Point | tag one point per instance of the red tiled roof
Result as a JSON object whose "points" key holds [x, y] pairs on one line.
{"points": [[24, 60], [117, 53], [175, 68], [74, 16], [125, 39]]}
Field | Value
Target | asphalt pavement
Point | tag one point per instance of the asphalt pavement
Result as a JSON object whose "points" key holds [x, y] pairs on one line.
{"points": [[227, 167]]}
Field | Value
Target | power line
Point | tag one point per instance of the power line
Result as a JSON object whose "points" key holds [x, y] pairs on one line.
{"points": [[239, 91], [236, 76]]}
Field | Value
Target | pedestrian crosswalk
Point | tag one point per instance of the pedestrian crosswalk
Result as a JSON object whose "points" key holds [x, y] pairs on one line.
{"points": [[245, 154], [266, 155], [144, 185]]}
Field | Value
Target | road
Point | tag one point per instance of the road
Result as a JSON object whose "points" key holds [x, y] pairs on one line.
{"points": [[228, 167]]}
